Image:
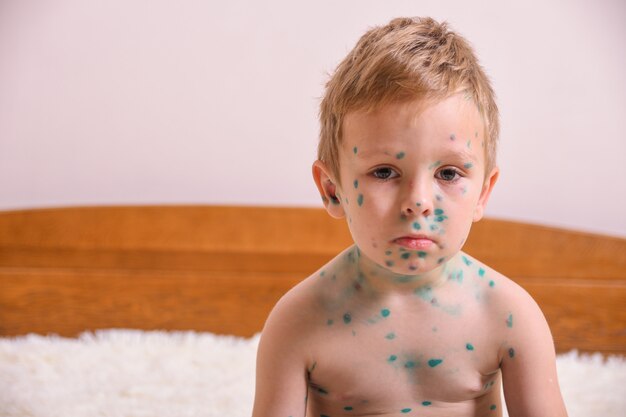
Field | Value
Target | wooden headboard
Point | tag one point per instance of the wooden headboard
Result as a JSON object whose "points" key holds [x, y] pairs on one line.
{"points": [[221, 269]]}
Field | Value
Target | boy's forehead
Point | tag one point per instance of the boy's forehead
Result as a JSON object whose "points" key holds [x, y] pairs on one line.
{"points": [[446, 118]]}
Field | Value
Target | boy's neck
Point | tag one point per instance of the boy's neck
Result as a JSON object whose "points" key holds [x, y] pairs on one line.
{"points": [[376, 279]]}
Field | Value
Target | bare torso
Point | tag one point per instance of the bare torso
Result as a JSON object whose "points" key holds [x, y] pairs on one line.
{"points": [[422, 350]]}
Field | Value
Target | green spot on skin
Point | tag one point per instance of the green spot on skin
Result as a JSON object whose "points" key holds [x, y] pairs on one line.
{"points": [[433, 227], [359, 200], [426, 403], [322, 391], [491, 283], [392, 358], [511, 353], [509, 321], [389, 263], [330, 322], [409, 364], [438, 197], [438, 212], [385, 312], [418, 204], [493, 407], [356, 183], [469, 143], [390, 336], [355, 150], [405, 410], [469, 346], [421, 254], [481, 272], [400, 155], [439, 219], [347, 318], [416, 226], [348, 408], [425, 293], [434, 362], [440, 260], [467, 261], [405, 255], [388, 252], [434, 165], [468, 165]]}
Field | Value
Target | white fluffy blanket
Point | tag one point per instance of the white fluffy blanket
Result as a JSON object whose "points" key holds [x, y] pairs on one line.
{"points": [[135, 374]]}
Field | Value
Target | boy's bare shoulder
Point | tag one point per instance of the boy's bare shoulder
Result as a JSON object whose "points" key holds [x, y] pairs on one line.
{"points": [[514, 312], [295, 312]]}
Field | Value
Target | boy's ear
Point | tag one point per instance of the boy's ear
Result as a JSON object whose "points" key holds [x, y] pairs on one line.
{"points": [[490, 181], [328, 190]]}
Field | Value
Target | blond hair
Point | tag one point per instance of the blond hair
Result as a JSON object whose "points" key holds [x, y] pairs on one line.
{"points": [[409, 58]]}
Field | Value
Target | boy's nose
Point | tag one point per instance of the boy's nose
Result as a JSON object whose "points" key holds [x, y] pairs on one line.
{"points": [[417, 201], [415, 208]]}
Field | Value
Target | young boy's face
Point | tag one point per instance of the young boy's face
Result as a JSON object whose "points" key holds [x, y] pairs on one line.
{"points": [[412, 181]]}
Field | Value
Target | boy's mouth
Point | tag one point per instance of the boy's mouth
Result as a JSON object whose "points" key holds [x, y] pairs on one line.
{"points": [[414, 242]]}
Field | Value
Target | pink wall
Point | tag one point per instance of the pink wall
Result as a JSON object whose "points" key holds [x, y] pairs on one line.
{"points": [[161, 102]]}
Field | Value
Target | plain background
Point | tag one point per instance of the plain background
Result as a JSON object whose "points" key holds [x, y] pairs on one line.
{"points": [[201, 102]]}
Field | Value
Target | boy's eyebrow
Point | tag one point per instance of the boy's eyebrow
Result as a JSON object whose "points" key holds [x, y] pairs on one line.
{"points": [[462, 153]]}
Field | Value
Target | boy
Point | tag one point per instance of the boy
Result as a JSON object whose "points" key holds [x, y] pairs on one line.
{"points": [[403, 322]]}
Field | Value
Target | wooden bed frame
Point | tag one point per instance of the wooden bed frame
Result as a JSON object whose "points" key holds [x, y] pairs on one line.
{"points": [[221, 269]]}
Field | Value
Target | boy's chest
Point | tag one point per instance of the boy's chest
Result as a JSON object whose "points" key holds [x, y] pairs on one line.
{"points": [[406, 363]]}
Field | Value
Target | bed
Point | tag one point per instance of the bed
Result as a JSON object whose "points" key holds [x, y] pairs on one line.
{"points": [[68, 274]]}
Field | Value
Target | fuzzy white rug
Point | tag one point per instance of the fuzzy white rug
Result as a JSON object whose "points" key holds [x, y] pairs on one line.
{"points": [[131, 373]]}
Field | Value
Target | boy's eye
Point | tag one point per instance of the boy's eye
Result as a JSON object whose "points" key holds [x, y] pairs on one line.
{"points": [[448, 174], [384, 173]]}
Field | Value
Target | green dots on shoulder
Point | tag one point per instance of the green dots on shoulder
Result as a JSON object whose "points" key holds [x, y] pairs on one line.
{"points": [[392, 358], [405, 410], [469, 346], [385, 312], [481, 272], [434, 362]]}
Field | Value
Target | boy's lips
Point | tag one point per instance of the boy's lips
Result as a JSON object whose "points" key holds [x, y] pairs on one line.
{"points": [[414, 242]]}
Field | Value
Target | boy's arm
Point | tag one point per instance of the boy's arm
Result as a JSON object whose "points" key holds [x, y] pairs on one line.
{"points": [[528, 366], [281, 379]]}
